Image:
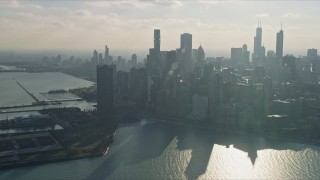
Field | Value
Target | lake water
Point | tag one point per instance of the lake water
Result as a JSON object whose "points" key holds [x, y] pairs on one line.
{"points": [[37, 84], [164, 151], [12, 94]]}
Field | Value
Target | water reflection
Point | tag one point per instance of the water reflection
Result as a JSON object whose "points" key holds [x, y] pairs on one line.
{"points": [[236, 156], [167, 151]]}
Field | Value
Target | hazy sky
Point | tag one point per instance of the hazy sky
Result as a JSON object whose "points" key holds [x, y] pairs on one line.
{"points": [[129, 24]]}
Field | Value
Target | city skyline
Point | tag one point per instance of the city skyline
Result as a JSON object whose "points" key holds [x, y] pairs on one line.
{"points": [[217, 25]]}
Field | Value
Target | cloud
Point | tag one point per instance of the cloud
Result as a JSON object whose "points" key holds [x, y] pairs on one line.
{"points": [[212, 2], [83, 12], [291, 15], [134, 3], [9, 3], [169, 3], [25, 14], [261, 15]]}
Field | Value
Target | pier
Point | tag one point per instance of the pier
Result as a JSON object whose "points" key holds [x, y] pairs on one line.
{"points": [[30, 94]]}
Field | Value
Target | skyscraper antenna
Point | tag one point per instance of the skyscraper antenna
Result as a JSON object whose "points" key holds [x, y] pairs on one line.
{"points": [[260, 23], [281, 25]]}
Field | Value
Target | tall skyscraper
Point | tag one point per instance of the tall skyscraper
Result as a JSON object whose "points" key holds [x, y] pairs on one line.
{"points": [[106, 53], [95, 58], [258, 49], [186, 52], [279, 45], [257, 40], [153, 58], [104, 89], [100, 58], [156, 40], [186, 43]]}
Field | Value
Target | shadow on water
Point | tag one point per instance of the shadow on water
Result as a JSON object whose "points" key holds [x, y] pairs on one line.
{"points": [[13, 174], [145, 143], [134, 145], [201, 149]]}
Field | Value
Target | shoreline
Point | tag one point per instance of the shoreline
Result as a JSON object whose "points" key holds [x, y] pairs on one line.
{"points": [[102, 152], [47, 161], [231, 132]]}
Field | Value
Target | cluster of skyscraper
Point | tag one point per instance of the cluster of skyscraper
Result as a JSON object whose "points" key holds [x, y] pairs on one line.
{"points": [[240, 56], [183, 84]]}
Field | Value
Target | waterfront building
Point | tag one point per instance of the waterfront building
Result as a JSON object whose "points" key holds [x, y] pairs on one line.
{"points": [[199, 108], [138, 86], [123, 84], [104, 89], [215, 93]]}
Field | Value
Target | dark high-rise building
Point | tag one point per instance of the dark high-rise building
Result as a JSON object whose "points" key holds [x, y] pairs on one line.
{"points": [[104, 89], [236, 56], [106, 52], [138, 84], [312, 56], [156, 36], [257, 41], [100, 58], [107, 58], [95, 58], [200, 56], [258, 49], [186, 43], [186, 52], [169, 68], [245, 55], [153, 58], [215, 94], [123, 84], [134, 60], [279, 45]]}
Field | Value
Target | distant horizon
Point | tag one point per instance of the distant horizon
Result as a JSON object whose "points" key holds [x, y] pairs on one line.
{"points": [[126, 52]]}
